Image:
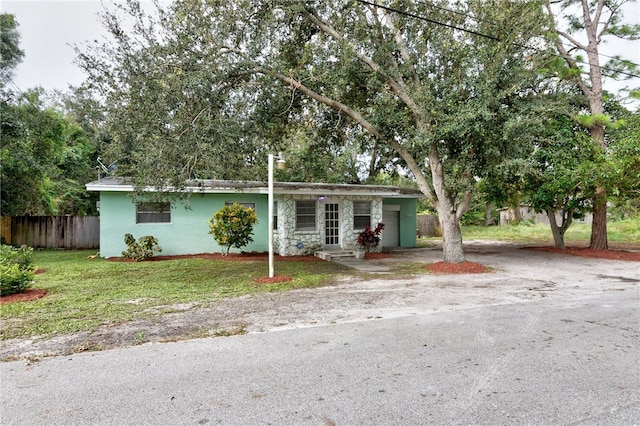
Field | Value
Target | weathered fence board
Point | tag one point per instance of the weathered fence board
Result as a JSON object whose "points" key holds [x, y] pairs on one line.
{"points": [[70, 232], [428, 225], [5, 229]]}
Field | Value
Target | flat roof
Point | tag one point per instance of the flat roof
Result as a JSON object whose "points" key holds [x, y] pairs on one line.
{"points": [[211, 186]]}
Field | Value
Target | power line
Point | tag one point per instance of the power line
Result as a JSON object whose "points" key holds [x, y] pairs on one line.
{"points": [[488, 36], [22, 93], [475, 18], [433, 21]]}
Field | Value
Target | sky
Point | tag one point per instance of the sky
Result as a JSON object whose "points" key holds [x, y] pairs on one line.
{"points": [[49, 28], [47, 31]]}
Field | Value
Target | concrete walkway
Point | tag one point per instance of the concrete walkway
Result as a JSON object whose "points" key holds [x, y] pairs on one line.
{"points": [[364, 265]]}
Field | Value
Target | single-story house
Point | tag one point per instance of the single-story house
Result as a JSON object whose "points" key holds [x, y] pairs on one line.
{"points": [[307, 216]]}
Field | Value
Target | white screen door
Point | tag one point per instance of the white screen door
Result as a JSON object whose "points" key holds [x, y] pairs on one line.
{"points": [[331, 225]]}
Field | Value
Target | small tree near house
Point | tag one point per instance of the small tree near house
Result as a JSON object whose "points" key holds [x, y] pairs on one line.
{"points": [[232, 226], [370, 238]]}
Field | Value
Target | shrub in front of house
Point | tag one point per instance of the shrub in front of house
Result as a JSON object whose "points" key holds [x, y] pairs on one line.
{"points": [[142, 249], [370, 238], [232, 226], [16, 269]]}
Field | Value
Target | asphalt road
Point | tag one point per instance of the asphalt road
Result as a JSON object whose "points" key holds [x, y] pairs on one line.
{"points": [[563, 361]]}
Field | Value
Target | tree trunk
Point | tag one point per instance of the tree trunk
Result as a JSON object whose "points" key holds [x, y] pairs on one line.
{"points": [[488, 214], [451, 237], [597, 131], [599, 224], [449, 221], [437, 194], [556, 231]]}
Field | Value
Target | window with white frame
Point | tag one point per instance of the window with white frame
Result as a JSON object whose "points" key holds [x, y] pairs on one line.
{"points": [[361, 214], [305, 215], [153, 212]]}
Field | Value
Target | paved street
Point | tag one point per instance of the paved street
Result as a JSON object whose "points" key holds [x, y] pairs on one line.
{"points": [[560, 361]]}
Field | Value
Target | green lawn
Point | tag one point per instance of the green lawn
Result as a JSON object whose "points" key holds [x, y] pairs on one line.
{"points": [[623, 232], [84, 293]]}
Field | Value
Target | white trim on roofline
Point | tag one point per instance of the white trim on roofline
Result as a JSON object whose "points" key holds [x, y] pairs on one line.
{"points": [[256, 187]]}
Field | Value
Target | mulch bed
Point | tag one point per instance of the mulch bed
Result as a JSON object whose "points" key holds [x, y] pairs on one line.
{"points": [[456, 268], [27, 295], [587, 252], [273, 280], [231, 257]]}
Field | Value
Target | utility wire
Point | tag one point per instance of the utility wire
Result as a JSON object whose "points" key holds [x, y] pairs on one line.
{"points": [[475, 18], [22, 93], [488, 36], [433, 21]]}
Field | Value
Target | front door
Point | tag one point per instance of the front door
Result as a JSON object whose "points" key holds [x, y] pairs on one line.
{"points": [[331, 226]]}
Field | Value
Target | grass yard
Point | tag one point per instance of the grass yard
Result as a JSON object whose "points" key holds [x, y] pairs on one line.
{"points": [[84, 293], [621, 232]]}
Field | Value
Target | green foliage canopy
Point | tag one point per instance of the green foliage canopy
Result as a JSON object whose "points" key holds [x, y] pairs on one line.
{"points": [[10, 53], [579, 28], [202, 88], [45, 160]]}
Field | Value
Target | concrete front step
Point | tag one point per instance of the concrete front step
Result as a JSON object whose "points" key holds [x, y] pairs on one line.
{"points": [[339, 254]]}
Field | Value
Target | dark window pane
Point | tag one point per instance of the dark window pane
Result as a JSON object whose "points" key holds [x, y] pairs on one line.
{"points": [[153, 212], [305, 215]]}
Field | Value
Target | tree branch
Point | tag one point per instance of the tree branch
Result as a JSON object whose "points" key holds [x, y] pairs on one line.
{"points": [[596, 18], [571, 39], [396, 87], [358, 118], [565, 54], [404, 52]]}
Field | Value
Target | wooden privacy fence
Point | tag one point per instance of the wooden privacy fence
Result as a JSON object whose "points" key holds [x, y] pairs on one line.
{"points": [[70, 232], [428, 225]]}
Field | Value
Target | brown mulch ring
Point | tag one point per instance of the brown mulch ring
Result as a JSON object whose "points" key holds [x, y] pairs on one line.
{"points": [[587, 252], [457, 268], [272, 280], [248, 256], [25, 296]]}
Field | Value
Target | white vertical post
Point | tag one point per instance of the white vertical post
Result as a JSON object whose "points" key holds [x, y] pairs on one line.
{"points": [[270, 201]]}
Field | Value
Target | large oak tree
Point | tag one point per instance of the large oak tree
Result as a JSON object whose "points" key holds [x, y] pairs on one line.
{"points": [[443, 86]]}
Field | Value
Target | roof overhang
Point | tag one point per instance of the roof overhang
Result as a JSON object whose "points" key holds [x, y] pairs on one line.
{"points": [[257, 187]]}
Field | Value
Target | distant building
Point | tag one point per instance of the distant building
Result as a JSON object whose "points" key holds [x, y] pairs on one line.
{"points": [[527, 213]]}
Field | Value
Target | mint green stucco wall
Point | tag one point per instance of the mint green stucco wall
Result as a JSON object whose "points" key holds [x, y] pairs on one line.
{"points": [[188, 232], [408, 220]]}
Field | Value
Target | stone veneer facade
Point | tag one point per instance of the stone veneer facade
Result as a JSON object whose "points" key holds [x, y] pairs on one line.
{"points": [[288, 241]]}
